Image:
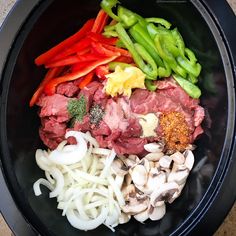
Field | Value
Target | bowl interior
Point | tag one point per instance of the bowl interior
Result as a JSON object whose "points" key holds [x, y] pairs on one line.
{"points": [[60, 20]]}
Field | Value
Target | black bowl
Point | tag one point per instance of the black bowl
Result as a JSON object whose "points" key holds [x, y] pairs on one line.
{"points": [[35, 26]]}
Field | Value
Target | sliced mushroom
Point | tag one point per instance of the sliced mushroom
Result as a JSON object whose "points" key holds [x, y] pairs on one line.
{"points": [[124, 218], [155, 156], [178, 158], [139, 175], [155, 180], [131, 161], [189, 161], [119, 168], [179, 177], [164, 193], [177, 194], [165, 162], [178, 167], [142, 216], [135, 202], [154, 147], [156, 213]]}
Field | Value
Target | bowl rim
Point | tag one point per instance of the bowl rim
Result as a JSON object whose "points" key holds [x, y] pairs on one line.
{"points": [[24, 10]]}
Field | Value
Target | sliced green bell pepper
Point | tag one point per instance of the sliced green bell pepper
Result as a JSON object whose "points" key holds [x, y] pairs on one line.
{"points": [[107, 6], [160, 21], [191, 89]]}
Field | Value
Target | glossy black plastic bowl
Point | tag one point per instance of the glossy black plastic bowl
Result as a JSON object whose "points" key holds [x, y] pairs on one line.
{"points": [[35, 26]]}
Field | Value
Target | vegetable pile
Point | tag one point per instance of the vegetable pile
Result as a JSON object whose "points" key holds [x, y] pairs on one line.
{"points": [[127, 39]]}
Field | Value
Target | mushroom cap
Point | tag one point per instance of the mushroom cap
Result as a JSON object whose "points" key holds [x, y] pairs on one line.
{"points": [[142, 216], [154, 156], [189, 161], [179, 177], [124, 218], [119, 168], [178, 158], [156, 213], [139, 175], [164, 193], [154, 147], [165, 162]]}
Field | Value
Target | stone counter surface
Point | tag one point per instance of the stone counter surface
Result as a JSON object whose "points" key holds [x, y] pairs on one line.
{"points": [[228, 227]]}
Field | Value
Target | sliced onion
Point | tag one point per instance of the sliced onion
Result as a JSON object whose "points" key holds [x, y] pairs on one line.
{"points": [[81, 224], [46, 183], [70, 154], [57, 175]]}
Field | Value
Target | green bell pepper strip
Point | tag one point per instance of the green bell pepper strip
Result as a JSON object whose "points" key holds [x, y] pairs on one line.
{"points": [[110, 34], [151, 66], [141, 36], [126, 17], [149, 70], [191, 56], [160, 21], [168, 57], [107, 6], [191, 89], [164, 71], [179, 41], [120, 44], [149, 85], [191, 69], [192, 79], [114, 64], [109, 28]]}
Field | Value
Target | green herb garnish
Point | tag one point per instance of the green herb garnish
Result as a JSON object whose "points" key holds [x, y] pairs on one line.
{"points": [[77, 108]]}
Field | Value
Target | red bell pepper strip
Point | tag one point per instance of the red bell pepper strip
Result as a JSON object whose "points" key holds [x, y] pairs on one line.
{"points": [[70, 60], [47, 56], [100, 50], [86, 80], [82, 45], [101, 71], [100, 22], [52, 73], [122, 51], [124, 59], [101, 39], [50, 88]]}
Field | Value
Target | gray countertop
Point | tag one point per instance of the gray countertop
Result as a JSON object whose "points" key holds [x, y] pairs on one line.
{"points": [[228, 228]]}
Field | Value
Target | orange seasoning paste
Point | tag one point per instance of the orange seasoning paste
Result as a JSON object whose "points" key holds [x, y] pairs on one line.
{"points": [[175, 131]]}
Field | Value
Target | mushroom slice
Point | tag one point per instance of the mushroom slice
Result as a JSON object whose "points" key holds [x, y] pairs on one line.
{"points": [[135, 206], [155, 156], [124, 218], [165, 162], [178, 177], [178, 158], [189, 161], [154, 147], [131, 161], [139, 175], [178, 167], [156, 213], [119, 168], [164, 193], [177, 194], [142, 216]]}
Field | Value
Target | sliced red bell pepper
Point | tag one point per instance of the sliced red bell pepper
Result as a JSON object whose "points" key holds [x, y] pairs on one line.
{"points": [[122, 51], [124, 59], [50, 88], [47, 56], [86, 80], [101, 71], [52, 73], [82, 45], [100, 50], [101, 39], [100, 21], [70, 60]]}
